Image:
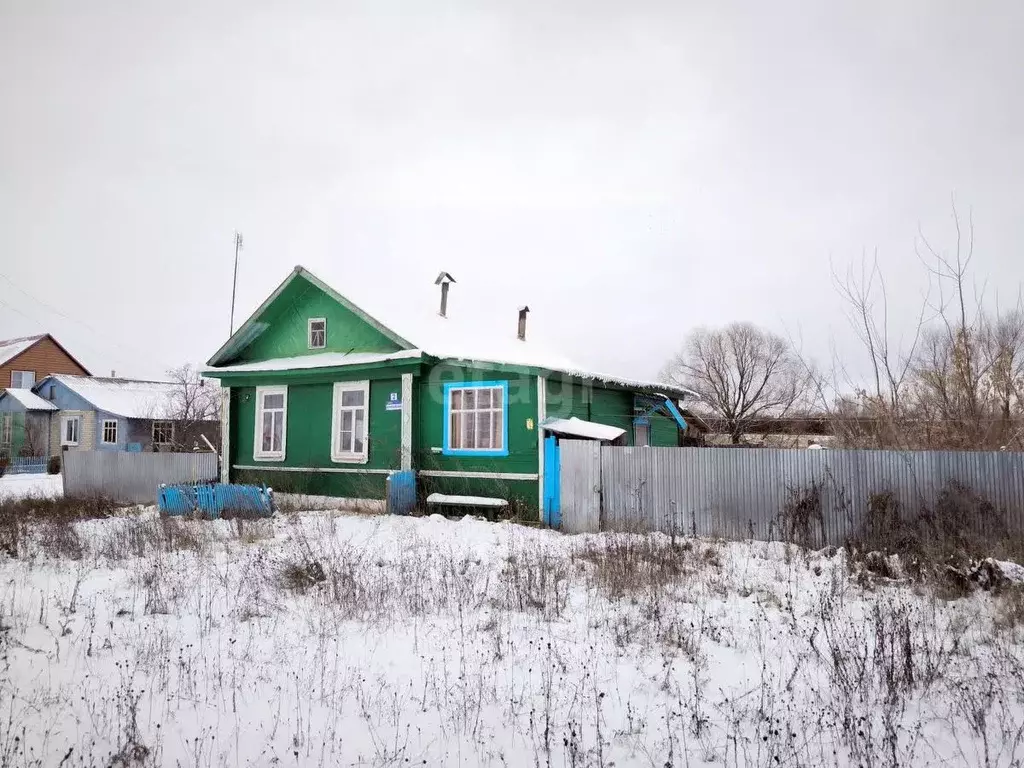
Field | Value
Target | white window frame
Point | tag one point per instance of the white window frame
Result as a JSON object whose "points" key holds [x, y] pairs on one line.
{"points": [[65, 420], [18, 379], [152, 431], [309, 332], [257, 438], [6, 429], [103, 431], [337, 452]]}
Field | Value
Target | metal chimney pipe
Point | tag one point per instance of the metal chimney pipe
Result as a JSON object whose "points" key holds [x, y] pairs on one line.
{"points": [[443, 279], [521, 334]]}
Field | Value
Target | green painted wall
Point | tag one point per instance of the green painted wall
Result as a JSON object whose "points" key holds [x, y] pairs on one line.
{"points": [[568, 398], [17, 432], [428, 415], [614, 407], [308, 440], [288, 317]]}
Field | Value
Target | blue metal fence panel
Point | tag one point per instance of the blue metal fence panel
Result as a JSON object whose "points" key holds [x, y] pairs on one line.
{"points": [[24, 465], [242, 498], [215, 500], [176, 500], [401, 492]]}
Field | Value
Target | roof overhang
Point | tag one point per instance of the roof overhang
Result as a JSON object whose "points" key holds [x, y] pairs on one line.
{"points": [[320, 363]]}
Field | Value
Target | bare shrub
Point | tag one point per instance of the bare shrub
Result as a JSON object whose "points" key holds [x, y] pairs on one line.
{"points": [[60, 539], [941, 545], [299, 575], [801, 518], [625, 564], [535, 580], [877, 666], [251, 530], [1010, 607], [181, 535], [19, 516], [131, 538]]}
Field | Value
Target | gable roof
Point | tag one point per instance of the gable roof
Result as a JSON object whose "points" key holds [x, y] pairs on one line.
{"points": [[28, 399], [129, 398], [251, 328], [11, 348], [456, 337]]}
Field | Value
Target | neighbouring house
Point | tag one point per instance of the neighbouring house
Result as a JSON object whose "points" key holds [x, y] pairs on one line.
{"points": [[24, 424], [24, 418], [114, 414], [323, 397], [29, 359]]}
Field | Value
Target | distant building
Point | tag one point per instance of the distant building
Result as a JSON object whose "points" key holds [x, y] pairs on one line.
{"points": [[30, 359], [24, 418], [112, 414]]}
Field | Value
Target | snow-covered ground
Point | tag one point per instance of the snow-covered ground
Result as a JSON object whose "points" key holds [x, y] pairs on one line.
{"points": [[19, 486], [336, 640]]}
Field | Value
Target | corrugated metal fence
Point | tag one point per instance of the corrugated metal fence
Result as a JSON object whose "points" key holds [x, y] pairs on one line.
{"points": [[132, 477], [739, 493]]}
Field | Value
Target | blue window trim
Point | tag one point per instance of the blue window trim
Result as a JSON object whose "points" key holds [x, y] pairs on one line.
{"points": [[446, 448]]}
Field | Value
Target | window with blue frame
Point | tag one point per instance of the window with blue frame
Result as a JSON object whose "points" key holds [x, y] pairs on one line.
{"points": [[476, 418]]}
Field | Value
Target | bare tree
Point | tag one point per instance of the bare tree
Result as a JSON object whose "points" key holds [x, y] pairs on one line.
{"points": [[35, 433], [956, 384], [742, 373], [194, 406]]}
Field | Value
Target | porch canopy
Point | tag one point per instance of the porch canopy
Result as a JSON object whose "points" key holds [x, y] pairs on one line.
{"points": [[588, 430]]}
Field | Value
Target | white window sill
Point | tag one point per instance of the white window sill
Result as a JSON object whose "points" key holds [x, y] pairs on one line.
{"points": [[268, 457], [349, 458]]}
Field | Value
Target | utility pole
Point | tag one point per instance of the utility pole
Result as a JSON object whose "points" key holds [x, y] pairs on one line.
{"points": [[234, 281]]}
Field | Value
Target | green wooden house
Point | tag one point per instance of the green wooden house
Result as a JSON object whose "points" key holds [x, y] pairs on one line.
{"points": [[321, 397]]}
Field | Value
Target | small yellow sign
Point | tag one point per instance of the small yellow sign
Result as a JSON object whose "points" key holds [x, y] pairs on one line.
{"points": [[529, 423]]}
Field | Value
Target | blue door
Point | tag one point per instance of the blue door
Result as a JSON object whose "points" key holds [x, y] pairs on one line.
{"points": [[552, 483]]}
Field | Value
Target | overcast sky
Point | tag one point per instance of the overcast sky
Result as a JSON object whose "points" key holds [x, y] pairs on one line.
{"points": [[629, 170]]}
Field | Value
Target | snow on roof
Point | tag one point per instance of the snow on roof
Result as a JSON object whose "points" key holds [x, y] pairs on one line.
{"points": [[318, 360], [130, 398], [11, 348], [473, 331], [579, 428], [30, 400]]}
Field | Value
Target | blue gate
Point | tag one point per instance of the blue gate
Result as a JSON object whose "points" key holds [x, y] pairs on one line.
{"points": [[552, 483]]}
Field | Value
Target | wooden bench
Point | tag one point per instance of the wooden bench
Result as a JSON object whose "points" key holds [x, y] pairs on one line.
{"points": [[492, 505]]}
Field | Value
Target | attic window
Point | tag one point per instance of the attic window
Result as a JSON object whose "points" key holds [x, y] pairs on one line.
{"points": [[22, 379], [317, 332]]}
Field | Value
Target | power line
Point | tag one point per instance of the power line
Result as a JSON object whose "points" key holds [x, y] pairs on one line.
{"points": [[125, 350]]}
